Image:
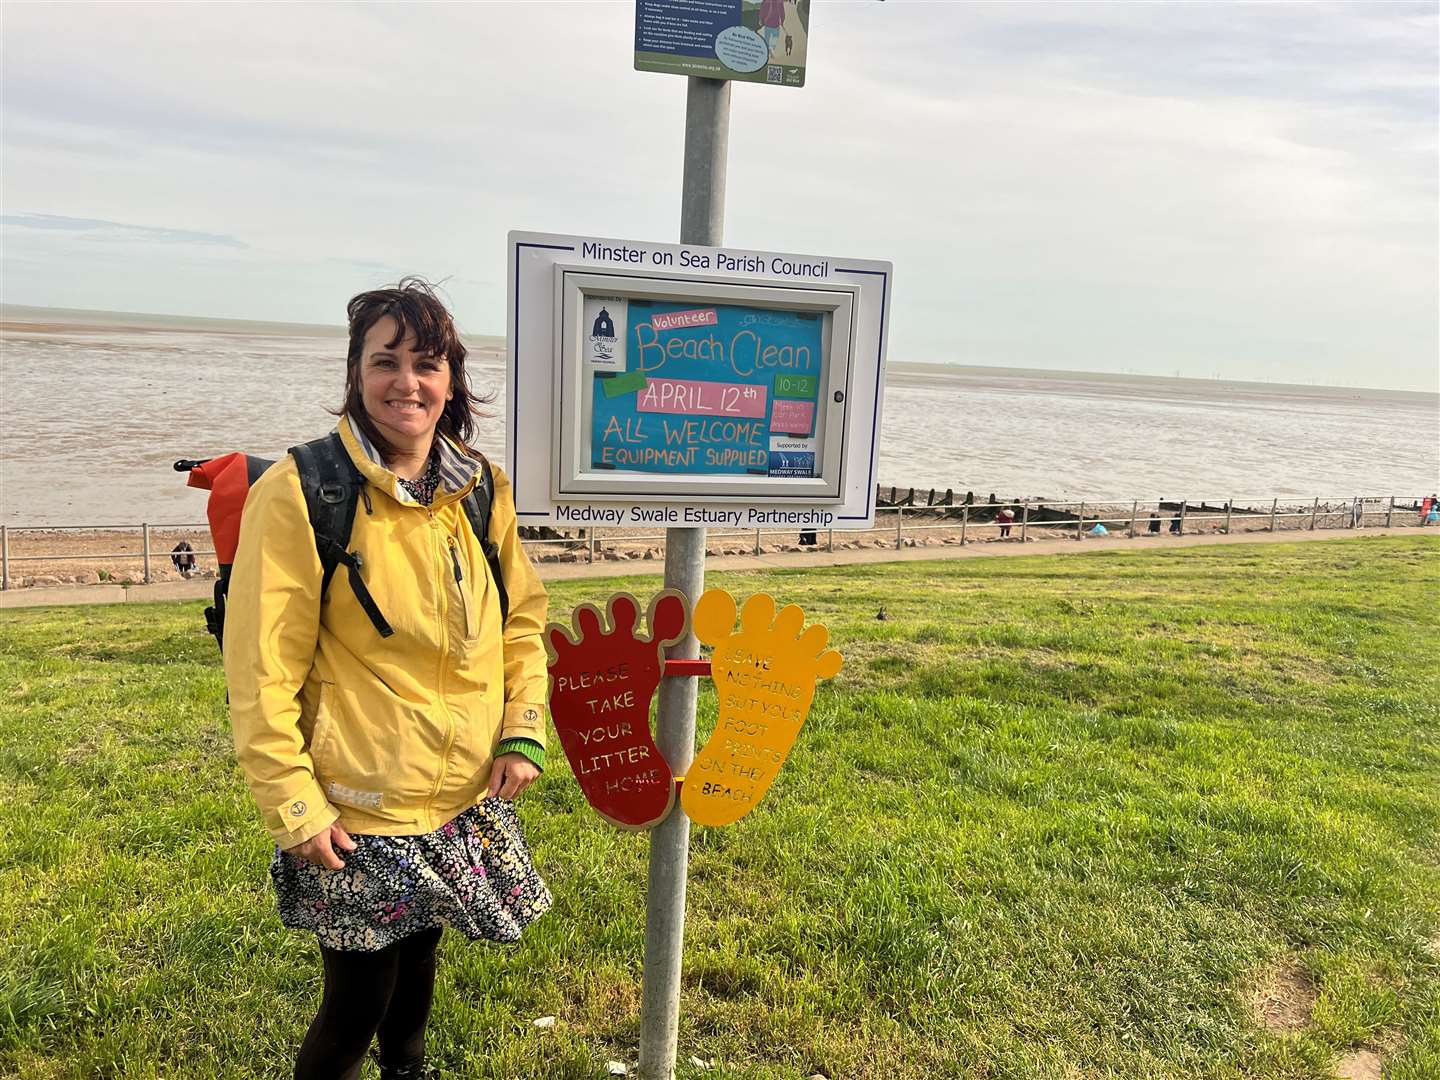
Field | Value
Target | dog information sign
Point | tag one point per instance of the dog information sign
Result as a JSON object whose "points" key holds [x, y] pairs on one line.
{"points": [[750, 40], [673, 385]]}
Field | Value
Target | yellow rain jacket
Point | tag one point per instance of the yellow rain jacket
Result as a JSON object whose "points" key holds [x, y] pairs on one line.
{"points": [[394, 735]]}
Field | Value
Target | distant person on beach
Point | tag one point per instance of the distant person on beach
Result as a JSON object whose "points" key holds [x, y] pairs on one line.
{"points": [[1175, 524], [1154, 523], [1005, 518], [385, 768], [182, 556]]}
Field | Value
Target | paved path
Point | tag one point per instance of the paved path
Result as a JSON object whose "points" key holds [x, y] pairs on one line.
{"points": [[609, 568]]}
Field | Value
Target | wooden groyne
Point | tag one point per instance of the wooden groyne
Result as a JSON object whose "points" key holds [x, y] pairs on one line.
{"points": [[40, 556]]}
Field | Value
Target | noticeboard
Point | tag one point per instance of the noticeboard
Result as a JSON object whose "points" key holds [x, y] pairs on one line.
{"points": [[718, 389], [694, 386], [669, 385], [761, 41]]}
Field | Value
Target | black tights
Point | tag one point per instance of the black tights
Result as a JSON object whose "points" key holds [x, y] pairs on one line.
{"points": [[385, 993]]}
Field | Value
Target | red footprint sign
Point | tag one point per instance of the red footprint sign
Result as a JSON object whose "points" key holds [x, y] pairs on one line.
{"points": [[601, 683]]}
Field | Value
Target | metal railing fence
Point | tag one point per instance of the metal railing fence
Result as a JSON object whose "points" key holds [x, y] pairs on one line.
{"points": [[966, 523]]}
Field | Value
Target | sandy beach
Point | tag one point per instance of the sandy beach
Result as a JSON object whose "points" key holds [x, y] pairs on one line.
{"points": [[47, 558]]}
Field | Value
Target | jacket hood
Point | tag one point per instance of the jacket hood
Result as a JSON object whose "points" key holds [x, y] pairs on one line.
{"points": [[457, 469]]}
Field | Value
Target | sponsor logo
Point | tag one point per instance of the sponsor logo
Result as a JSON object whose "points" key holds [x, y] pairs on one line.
{"points": [[602, 337]]}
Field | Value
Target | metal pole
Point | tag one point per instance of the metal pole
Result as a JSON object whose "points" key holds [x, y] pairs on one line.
{"points": [[707, 143], [5, 555], [899, 524], [702, 221], [1134, 509], [1024, 518], [829, 539], [590, 543], [145, 533], [1079, 521], [1229, 505], [757, 541], [964, 524], [1183, 504], [670, 840], [1274, 505], [1390, 513], [1313, 511]]}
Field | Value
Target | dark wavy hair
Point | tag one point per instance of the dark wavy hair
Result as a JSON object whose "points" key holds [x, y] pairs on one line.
{"points": [[416, 309]]}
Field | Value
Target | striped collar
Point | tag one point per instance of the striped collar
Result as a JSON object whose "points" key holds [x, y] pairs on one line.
{"points": [[457, 469]]}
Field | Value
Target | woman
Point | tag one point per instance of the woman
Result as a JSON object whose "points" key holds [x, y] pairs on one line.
{"points": [[384, 767]]}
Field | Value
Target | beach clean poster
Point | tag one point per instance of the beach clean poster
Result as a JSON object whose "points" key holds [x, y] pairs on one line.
{"points": [[748, 40], [703, 389]]}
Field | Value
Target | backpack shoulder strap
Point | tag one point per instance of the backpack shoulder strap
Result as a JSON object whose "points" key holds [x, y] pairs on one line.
{"points": [[477, 508], [332, 486], [330, 482]]}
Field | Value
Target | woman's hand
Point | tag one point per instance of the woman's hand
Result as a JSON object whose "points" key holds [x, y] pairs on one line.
{"points": [[320, 849], [510, 775]]}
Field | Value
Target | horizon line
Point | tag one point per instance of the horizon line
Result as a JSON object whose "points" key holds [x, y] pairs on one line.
{"points": [[897, 365]]}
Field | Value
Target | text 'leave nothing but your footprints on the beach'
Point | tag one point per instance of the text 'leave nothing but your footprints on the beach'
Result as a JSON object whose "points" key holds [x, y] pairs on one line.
{"points": [[765, 675]]}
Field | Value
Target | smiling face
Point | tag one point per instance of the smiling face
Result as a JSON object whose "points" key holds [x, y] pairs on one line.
{"points": [[403, 391]]}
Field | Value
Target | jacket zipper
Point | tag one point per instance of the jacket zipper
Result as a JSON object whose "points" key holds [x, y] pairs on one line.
{"points": [[440, 689]]}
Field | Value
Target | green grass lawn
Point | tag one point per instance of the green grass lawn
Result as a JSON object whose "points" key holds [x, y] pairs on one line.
{"points": [[1057, 817]]}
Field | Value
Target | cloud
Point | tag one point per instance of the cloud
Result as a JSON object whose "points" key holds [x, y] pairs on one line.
{"points": [[1244, 189], [95, 229]]}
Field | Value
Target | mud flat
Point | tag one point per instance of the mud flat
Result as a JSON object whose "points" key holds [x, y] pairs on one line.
{"points": [[42, 557]]}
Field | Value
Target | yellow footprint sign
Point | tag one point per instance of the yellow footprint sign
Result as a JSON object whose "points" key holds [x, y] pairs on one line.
{"points": [[765, 677]]}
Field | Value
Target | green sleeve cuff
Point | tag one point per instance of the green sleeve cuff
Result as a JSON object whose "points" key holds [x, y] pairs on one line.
{"points": [[528, 747]]}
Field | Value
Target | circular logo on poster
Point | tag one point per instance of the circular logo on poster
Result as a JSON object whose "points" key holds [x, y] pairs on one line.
{"points": [[741, 49]]}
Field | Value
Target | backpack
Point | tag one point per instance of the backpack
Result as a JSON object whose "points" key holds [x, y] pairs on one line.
{"points": [[333, 489]]}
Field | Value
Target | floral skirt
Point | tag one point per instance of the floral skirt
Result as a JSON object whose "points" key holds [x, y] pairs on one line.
{"points": [[473, 874]]}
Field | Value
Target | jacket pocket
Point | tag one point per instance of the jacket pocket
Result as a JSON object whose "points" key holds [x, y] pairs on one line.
{"points": [[377, 751], [477, 730], [469, 603], [350, 751], [324, 728]]}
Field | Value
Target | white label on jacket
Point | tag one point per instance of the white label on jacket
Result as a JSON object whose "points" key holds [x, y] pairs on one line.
{"points": [[350, 797]]}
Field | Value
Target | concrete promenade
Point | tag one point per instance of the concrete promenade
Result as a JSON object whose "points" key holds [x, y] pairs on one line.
{"points": [[203, 588]]}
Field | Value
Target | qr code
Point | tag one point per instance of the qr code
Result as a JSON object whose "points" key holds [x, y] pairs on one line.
{"points": [[774, 73]]}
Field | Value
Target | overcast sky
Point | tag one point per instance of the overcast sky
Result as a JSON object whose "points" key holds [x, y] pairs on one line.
{"points": [[1239, 190]]}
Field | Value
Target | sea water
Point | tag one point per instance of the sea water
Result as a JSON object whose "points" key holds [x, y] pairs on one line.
{"points": [[95, 408]]}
